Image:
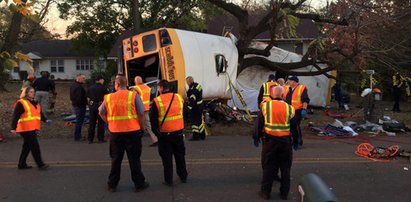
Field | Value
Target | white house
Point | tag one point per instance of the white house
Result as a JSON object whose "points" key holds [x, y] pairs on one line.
{"points": [[59, 57]]}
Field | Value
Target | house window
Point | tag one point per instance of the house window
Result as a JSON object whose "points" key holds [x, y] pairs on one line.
{"points": [[85, 64], [36, 65], [57, 66]]}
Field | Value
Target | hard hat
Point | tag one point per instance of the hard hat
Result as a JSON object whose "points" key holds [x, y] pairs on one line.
{"points": [[30, 77]]}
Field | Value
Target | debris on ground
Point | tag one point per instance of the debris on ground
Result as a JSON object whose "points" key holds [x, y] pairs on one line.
{"points": [[350, 128], [335, 129], [220, 112], [70, 119], [332, 114]]}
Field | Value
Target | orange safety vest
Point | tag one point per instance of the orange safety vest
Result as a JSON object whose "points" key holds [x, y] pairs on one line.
{"points": [[264, 101], [296, 97], [30, 119], [144, 91], [174, 120], [277, 115], [266, 87], [121, 111]]}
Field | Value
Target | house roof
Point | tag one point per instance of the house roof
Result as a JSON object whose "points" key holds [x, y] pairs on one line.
{"points": [[215, 25], [55, 49]]}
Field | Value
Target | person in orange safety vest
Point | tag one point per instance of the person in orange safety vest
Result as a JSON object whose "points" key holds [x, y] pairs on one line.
{"points": [[166, 115], [26, 121], [265, 88], [297, 96], [274, 130], [144, 92], [123, 111]]}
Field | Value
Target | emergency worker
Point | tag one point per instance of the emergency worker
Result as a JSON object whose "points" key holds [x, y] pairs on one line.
{"points": [[195, 105], [95, 96], [123, 111], [398, 83], [52, 96], [274, 127], [297, 96], [281, 82], [26, 121], [144, 92], [166, 115], [265, 88], [28, 81]]}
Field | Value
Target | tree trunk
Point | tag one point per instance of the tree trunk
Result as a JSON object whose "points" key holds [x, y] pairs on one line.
{"points": [[13, 33], [137, 22], [10, 43]]}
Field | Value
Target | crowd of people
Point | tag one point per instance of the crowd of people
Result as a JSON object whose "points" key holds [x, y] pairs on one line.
{"points": [[128, 114]]}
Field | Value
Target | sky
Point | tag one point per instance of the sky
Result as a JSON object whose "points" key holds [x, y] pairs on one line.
{"points": [[56, 25], [59, 26]]}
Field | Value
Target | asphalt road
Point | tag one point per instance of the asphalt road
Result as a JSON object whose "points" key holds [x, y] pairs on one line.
{"points": [[222, 168]]}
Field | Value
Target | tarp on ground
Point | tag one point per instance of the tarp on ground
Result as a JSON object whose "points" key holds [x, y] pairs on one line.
{"points": [[250, 80]]}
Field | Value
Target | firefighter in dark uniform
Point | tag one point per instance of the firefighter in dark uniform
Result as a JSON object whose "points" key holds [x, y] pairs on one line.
{"points": [[274, 127], [398, 83], [95, 95], [265, 89], [123, 111], [297, 96], [167, 122], [195, 104]]}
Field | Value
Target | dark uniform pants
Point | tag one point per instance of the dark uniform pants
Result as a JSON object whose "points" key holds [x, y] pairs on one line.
{"points": [[131, 143], [197, 126], [95, 119], [276, 155], [296, 129], [169, 145], [397, 96], [30, 144]]}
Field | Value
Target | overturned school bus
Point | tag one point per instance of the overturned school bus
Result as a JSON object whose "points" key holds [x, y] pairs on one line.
{"points": [[173, 54]]}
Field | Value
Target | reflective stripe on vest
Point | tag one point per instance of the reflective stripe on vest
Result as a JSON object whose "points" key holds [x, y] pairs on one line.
{"points": [[296, 96], [144, 91], [264, 101], [174, 120], [121, 115], [30, 119], [278, 125], [266, 88]]}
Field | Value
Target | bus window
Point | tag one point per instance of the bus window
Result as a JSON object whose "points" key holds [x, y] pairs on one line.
{"points": [[165, 38], [148, 67], [149, 43], [221, 64]]}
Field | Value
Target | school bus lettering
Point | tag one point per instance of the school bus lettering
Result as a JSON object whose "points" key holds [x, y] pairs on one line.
{"points": [[170, 64]]}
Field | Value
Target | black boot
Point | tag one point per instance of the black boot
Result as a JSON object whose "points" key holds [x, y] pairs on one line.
{"points": [[195, 137]]}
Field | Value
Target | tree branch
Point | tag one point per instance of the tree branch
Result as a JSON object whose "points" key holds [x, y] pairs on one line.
{"points": [[318, 18], [286, 68], [255, 51], [237, 11], [292, 6]]}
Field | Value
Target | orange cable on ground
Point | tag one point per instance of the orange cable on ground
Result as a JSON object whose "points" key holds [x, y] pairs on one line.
{"points": [[366, 150]]}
